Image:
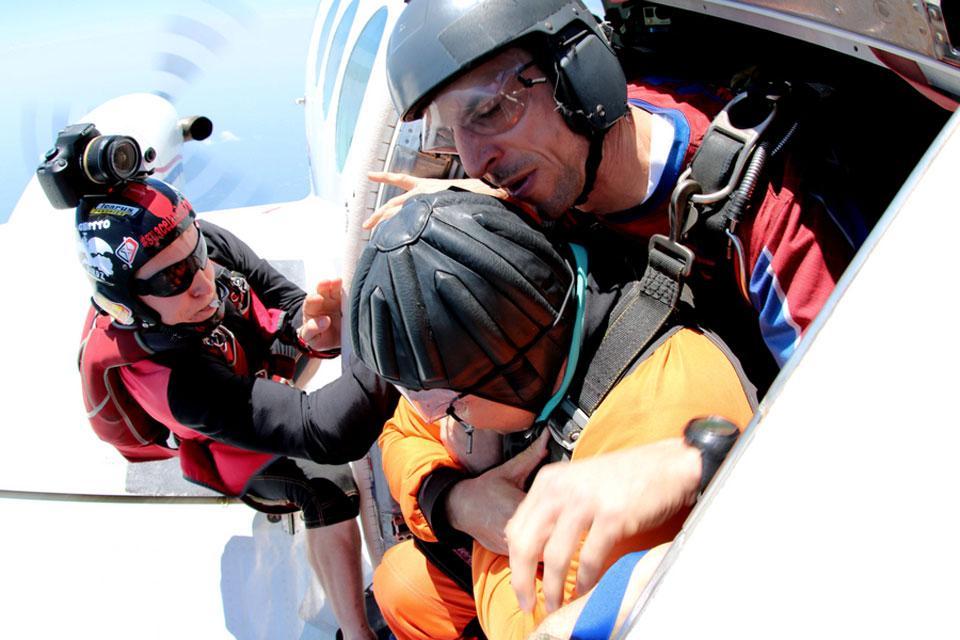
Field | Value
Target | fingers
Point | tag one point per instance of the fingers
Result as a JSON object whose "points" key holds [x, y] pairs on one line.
{"points": [[331, 288], [393, 205], [389, 209], [597, 546], [400, 180], [322, 316], [520, 466], [314, 328], [326, 301], [525, 539], [559, 551], [529, 529]]}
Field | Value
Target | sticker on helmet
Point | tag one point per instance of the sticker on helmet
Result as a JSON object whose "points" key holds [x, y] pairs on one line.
{"points": [[93, 225], [95, 258], [110, 209], [127, 251], [117, 311], [165, 226]]}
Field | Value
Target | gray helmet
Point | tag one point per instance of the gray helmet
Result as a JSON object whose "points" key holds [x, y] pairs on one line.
{"points": [[435, 41], [457, 292]]}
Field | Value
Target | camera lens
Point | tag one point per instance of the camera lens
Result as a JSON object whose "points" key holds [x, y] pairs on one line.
{"points": [[110, 159]]}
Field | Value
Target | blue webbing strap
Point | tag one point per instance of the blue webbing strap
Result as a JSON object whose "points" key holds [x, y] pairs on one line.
{"points": [[600, 613]]}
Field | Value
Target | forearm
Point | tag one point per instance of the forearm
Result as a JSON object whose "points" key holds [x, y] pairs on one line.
{"points": [[456, 505], [335, 424], [344, 418]]}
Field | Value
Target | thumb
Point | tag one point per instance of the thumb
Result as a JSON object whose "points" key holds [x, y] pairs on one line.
{"points": [[520, 466]]}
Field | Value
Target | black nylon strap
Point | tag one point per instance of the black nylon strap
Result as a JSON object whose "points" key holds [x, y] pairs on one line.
{"points": [[643, 313], [445, 558], [714, 161]]}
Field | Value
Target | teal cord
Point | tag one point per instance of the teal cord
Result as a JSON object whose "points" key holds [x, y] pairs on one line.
{"points": [[579, 292]]}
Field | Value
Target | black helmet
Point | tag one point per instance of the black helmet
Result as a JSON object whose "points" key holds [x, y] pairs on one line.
{"points": [[457, 292], [435, 41], [119, 232]]}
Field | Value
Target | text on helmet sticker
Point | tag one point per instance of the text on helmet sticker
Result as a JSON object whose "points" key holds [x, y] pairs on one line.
{"points": [[111, 209], [165, 226], [94, 225]]}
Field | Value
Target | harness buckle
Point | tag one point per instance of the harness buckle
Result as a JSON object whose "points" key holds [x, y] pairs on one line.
{"points": [[747, 137], [565, 424], [682, 215], [674, 250]]}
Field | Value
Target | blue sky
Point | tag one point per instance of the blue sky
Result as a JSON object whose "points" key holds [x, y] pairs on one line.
{"points": [[241, 64]]}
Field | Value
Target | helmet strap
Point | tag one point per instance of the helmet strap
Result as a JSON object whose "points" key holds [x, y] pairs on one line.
{"points": [[594, 156]]}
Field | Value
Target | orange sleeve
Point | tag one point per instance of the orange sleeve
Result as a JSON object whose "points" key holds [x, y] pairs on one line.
{"points": [[412, 450]]}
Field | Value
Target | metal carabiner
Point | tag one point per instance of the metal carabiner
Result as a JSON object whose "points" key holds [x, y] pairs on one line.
{"points": [[680, 210], [747, 137]]}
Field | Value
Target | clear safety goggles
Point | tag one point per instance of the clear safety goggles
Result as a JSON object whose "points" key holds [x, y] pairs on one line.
{"points": [[178, 277], [483, 110], [431, 404], [434, 404]]}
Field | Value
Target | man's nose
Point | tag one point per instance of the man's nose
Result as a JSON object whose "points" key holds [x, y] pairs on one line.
{"points": [[203, 282], [477, 152]]}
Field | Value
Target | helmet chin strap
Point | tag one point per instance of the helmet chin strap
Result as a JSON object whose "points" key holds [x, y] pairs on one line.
{"points": [[592, 165]]}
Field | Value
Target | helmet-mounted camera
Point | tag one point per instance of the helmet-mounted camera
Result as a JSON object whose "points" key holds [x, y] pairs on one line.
{"points": [[83, 163]]}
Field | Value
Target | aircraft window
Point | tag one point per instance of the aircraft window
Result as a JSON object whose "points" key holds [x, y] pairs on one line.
{"points": [[336, 53], [324, 36], [355, 78]]}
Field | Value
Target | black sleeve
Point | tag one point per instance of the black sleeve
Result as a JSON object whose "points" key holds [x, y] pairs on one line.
{"points": [[273, 289], [335, 424], [431, 496]]}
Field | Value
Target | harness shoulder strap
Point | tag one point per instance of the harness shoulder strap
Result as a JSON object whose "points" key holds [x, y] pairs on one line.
{"points": [[637, 319], [645, 312]]}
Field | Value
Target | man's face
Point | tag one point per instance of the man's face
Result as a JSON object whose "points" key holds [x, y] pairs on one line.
{"points": [[199, 300], [507, 129]]}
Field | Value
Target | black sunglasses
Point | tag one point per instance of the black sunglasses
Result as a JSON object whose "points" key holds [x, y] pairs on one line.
{"points": [[176, 278]]}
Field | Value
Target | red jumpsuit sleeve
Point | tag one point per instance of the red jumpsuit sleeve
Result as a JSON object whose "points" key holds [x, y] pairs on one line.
{"points": [[412, 450], [796, 253]]}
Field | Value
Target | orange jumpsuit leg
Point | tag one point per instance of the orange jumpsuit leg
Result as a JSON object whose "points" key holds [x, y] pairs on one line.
{"points": [[417, 600]]}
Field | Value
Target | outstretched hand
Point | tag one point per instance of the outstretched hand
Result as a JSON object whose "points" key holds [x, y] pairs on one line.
{"points": [[322, 316], [610, 496], [481, 506], [414, 185]]}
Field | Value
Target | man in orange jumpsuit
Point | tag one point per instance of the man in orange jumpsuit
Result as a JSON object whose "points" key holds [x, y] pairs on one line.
{"points": [[489, 328]]}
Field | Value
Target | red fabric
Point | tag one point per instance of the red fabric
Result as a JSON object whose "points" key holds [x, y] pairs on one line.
{"points": [[806, 249], [114, 416], [119, 382]]}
